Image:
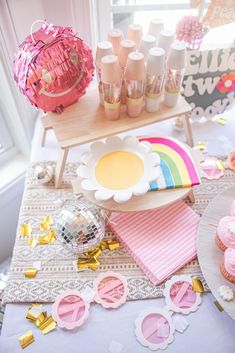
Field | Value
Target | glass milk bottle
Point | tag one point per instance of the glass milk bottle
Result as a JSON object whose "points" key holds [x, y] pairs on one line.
{"points": [[126, 47], [155, 69], [135, 32], [156, 25], [111, 78], [115, 36], [166, 38], [174, 73], [103, 48], [135, 83], [147, 42]]}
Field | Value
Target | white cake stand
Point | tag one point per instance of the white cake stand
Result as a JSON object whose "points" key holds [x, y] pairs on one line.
{"points": [[209, 255]]}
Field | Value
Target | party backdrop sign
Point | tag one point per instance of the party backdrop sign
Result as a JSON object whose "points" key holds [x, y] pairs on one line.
{"points": [[209, 81], [219, 13]]}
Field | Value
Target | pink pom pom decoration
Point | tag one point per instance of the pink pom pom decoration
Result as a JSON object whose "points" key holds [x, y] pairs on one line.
{"points": [[53, 67], [190, 30]]}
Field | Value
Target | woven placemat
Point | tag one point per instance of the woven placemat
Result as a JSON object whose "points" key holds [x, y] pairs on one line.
{"points": [[57, 273]]}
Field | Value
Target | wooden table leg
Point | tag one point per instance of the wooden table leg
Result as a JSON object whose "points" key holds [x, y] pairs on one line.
{"points": [[43, 134], [191, 196], [46, 125], [188, 130], [62, 157], [179, 123]]}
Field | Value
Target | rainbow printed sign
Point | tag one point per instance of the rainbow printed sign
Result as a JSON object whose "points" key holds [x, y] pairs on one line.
{"points": [[178, 170]]}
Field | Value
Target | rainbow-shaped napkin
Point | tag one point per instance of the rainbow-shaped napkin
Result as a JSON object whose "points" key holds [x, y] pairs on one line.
{"points": [[178, 169]]}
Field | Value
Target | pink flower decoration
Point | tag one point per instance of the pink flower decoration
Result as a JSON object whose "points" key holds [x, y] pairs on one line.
{"points": [[226, 83], [53, 67], [190, 30]]}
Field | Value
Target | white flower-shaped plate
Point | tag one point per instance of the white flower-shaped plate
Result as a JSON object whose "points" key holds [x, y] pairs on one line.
{"points": [[119, 168]]}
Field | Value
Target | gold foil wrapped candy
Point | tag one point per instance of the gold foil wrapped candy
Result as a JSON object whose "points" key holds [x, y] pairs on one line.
{"points": [[48, 238], [25, 230], [32, 242], [30, 272], [43, 322], [197, 285], [47, 221], [93, 264], [47, 325], [26, 339], [90, 259]]}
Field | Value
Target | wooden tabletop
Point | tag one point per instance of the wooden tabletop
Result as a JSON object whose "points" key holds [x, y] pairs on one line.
{"points": [[84, 121]]}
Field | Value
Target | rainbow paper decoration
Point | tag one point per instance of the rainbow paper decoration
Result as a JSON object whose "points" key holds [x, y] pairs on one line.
{"points": [[178, 170]]}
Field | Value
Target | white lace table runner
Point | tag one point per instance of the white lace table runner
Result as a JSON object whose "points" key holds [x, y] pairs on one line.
{"points": [[57, 273]]}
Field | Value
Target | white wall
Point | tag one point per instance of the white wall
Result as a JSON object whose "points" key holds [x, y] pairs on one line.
{"points": [[74, 13], [10, 201]]}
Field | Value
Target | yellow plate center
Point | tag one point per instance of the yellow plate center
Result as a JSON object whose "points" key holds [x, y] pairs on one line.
{"points": [[119, 170]]}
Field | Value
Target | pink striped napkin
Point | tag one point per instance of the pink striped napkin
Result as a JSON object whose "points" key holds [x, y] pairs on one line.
{"points": [[160, 241]]}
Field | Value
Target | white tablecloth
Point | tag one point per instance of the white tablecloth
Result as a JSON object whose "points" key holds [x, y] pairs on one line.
{"points": [[209, 331]]}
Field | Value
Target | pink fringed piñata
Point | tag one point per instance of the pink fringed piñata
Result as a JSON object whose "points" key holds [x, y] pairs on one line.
{"points": [[53, 67]]}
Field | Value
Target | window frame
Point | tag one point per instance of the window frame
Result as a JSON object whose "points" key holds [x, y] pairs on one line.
{"points": [[105, 9], [6, 141], [15, 118], [5, 136]]}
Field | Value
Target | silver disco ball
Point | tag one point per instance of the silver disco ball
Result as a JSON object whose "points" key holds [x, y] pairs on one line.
{"points": [[81, 226]]}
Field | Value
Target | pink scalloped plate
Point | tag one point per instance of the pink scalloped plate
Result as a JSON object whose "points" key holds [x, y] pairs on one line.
{"points": [[70, 310], [111, 289]]}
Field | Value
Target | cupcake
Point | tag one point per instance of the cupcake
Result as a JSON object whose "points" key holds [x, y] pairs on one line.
{"points": [[225, 236], [227, 266]]}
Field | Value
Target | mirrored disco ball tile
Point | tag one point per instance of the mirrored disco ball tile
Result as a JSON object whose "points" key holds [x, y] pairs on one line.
{"points": [[81, 226]]}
